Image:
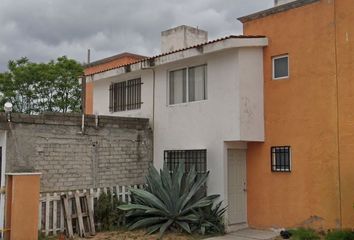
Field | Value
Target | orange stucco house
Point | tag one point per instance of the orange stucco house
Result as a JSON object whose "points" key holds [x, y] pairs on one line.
{"points": [[311, 110]]}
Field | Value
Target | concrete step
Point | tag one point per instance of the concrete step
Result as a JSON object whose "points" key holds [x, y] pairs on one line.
{"points": [[248, 234]]}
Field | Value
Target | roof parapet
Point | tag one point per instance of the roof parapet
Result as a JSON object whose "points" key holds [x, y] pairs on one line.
{"points": [[277, 9]]}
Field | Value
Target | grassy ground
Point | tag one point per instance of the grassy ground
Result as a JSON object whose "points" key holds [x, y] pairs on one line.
{"points": [[139, 235]]}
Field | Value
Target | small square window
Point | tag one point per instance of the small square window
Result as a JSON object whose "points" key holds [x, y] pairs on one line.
{"points": [[281, 159], [280, 67]]}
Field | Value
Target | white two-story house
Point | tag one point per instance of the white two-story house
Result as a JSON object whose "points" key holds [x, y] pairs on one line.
{"points": [[204, 100]]}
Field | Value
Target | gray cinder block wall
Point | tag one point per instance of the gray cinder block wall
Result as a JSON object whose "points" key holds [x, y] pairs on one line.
{"points": [[116, 152]]}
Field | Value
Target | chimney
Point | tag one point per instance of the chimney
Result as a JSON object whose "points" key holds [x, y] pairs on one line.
{"points": [[182, 37], [280, 2]]}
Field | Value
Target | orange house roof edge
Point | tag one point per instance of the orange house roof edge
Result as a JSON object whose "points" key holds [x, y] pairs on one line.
{"points": [[114, 57]]}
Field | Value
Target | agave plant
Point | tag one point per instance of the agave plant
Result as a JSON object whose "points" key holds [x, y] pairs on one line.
{"points": [[170, 201]]}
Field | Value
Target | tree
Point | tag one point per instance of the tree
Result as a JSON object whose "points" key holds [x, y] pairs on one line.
{"points": [[33, 88]]}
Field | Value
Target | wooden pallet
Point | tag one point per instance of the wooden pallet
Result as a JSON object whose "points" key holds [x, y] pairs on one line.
{"points": [[78, 215]]}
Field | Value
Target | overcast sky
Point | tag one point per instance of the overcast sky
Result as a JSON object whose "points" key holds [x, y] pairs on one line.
{"points": [[45, 29]]}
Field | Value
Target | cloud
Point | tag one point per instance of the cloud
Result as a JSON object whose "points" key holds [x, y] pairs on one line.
{"points": [[46, 29]]}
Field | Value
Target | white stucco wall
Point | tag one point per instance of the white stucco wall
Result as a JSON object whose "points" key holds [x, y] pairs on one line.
{"points": [[101, 95], [231, 115], [233, 110], [250, 74]]}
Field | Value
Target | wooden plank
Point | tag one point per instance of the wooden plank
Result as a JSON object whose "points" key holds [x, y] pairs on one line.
{"points": [[54, 215], [82, 232], [123, 194], [92, 198], [40, 216], [62, 226], [47, 209], [69, 224], [89, 199]]}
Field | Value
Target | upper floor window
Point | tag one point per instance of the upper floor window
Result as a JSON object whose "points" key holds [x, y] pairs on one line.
{"points": [[125, 95], [280, 67], [187, 84]]}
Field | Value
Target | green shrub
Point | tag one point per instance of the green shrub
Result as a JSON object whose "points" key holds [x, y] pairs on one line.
{"points": [[340, 235], [211, 219], [171, 201], [107, 214], [304, 234]]}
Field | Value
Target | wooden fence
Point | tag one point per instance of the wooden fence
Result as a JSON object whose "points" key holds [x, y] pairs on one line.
{"points": [[51, 213]]}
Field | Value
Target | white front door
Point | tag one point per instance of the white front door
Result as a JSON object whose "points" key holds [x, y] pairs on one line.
{"points": [[237, 196]]}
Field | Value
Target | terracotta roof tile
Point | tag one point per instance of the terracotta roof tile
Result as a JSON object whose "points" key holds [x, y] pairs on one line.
{"points": [[183, 49]]}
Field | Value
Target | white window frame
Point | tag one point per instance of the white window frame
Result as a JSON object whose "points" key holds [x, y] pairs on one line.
{"points": [[273, 67], [187, 84]]}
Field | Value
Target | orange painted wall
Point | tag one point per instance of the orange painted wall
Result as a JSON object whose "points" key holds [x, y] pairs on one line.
{"points": [[301, 112], [22, 207], [345, 70], [99, 68]]}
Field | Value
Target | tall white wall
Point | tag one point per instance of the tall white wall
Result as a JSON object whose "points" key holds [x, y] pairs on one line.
{"points": [[209, 123], [250, 73]]}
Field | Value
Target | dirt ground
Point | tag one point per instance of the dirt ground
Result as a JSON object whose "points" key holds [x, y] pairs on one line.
{"points": [[139, 235]]}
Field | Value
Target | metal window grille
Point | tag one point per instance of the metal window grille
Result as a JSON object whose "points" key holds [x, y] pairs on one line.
{"points": [[125, 95], [196, 158], [281, 159]]}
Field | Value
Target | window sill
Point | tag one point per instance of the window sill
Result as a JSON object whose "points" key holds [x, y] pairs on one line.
{"points": [[186, 103], [281, 78], [281, 170], [127, 111]]}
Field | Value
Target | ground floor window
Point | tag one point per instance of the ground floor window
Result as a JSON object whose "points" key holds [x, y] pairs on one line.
{"points": [[190, 158], [196, 158], [281, 159]]}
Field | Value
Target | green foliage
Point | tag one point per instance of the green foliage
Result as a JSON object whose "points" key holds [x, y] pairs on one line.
{"points": [[211, 219], [304, 234], [40, 87], [171, 201], [107, 214], [41, 236], [340, 235]]}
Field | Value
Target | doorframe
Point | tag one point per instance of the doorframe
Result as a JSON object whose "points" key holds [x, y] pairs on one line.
{"points": [[234, 145]]}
